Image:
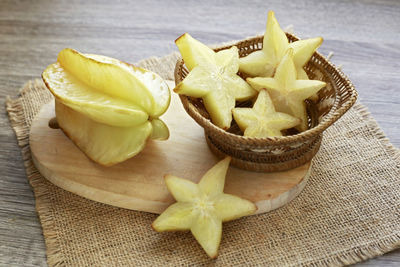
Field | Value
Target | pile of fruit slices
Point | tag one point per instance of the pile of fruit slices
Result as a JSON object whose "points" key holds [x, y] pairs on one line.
{"points": [[276, 82], [278, 68], [108, 108]]}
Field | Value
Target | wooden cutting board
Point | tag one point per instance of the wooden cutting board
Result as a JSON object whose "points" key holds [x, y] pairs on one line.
{"points": [[138, 183]]}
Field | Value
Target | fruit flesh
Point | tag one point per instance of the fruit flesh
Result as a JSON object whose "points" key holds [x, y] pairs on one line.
{"points": [[201, 208], [102, 143], [213, 77], [262, 120], [263, 63], [194, 52], [287, 92]]}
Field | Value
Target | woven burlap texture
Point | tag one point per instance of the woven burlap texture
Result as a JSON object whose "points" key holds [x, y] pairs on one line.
{"points": [[348, 212]]}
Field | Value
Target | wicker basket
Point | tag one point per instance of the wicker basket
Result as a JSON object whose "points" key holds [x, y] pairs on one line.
{"points": [[276, 153]]}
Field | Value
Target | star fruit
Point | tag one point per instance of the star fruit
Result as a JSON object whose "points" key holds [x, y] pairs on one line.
{"points": [[263, 63], [213, 77], [262, 120], [201, 208], [287, 92], [108, 108]]}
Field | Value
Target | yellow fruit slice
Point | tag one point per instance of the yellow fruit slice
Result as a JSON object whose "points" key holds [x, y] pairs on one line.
{"points": [[262, 120], [201, 208], [303, 51], [213, 77], [118, 79], [194, 52], [263, 63], [160, 130], [257, 64], [102, 143], [96, 105], [288, 93]]}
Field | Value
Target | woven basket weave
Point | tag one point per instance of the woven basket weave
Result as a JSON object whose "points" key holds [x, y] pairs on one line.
{"points": [[276, 153]]}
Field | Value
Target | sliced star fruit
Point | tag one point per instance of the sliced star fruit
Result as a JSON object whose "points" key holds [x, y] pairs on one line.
{"points": [[102, 143], [262, 120], [201, 208], [264, 62], [287, 92], [213, 77]]}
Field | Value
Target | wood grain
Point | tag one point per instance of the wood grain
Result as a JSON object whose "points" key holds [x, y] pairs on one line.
{"points": [[75, 172], [365, 35]]}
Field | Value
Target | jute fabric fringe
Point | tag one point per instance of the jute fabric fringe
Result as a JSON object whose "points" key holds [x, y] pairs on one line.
{"points": [[348, 212]]}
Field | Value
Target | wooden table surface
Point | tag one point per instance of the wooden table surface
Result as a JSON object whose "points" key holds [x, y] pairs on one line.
{"points": [[365, 36]]}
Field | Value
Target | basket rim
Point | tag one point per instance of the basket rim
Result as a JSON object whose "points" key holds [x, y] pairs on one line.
{"points": [[331, 117]]}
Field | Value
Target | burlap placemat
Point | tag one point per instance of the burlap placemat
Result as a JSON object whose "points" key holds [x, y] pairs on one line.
{"points": [[348, 212]]}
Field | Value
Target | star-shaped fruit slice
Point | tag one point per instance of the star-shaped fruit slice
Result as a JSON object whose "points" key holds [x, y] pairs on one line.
{"points": [[263, 63], [213, 77], [288, 93], [262, 120], [201, 208]]}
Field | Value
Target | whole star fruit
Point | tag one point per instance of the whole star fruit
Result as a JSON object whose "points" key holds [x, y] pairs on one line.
{"points": [[201, 208], [213, 77], [263, 63], [288, 93], [262, 120], [105, 93]]}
